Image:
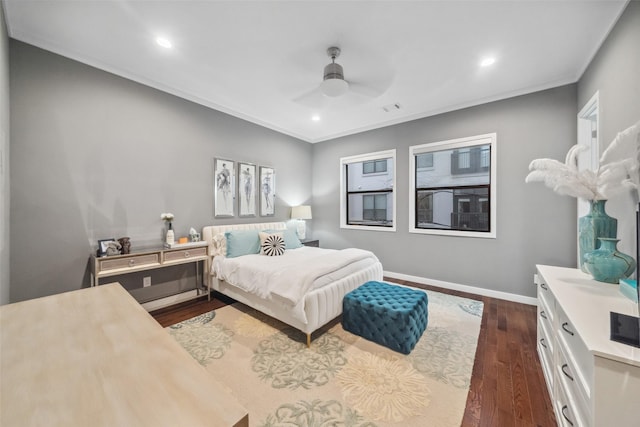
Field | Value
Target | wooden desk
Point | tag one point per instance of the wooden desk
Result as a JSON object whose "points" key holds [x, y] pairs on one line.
{"points": [[96, 357]]}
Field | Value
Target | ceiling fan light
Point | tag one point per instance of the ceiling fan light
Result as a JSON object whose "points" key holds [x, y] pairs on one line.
{"points": [[334, 87]]}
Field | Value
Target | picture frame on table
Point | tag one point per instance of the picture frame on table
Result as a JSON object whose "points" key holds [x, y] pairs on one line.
{"points": [[223, 188], [103, 244], [246, 189], [267, 191]]}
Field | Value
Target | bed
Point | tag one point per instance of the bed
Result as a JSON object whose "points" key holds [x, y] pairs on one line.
{"points": [[307, 307]]}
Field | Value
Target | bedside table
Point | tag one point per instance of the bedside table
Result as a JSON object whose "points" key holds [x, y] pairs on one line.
{"points": [[313, 243]]}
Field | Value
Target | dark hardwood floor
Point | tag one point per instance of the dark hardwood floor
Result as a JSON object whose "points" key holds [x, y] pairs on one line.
{"points": [[507, 386]]}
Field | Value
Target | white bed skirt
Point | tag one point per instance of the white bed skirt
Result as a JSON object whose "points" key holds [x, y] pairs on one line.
{"points": [[320, 305]]}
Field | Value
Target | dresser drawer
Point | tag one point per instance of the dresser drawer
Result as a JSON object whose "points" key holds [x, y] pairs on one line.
{"points": [[568, 376], [546, 301], [575, 351], [183, 254], [545, 316], [545, 352], [567, 412], [128, 262]]}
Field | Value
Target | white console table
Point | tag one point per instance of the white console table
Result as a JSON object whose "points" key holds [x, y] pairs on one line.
{"points": [[151, 259], [592, 380]]}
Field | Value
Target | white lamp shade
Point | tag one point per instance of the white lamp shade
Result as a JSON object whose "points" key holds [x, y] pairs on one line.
{"points": [[301, 212]]}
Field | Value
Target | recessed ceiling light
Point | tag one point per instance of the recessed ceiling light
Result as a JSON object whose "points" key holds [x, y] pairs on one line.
{"points": [[315, 118], [164, 42], [487, 61]]}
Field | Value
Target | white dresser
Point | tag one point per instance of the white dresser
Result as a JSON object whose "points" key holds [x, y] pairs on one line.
{"points": [[592, 380]]}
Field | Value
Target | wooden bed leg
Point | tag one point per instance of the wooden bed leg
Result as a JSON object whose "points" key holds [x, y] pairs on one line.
{"points": [[308, 340]]}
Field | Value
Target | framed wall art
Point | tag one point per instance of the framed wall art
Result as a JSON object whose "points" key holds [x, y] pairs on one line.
{"points": [[246, 189], [224, 188], [267, 191], [104, 245]]}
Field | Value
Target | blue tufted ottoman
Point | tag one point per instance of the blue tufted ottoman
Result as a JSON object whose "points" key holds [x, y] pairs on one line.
{"points": [[393, 316]]}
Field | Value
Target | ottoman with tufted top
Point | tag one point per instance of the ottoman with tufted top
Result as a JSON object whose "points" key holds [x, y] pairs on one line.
{"points": [[390, 315]]}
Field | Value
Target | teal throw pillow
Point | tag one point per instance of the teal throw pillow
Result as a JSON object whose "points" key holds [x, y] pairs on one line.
{"points": [[242, 242]]}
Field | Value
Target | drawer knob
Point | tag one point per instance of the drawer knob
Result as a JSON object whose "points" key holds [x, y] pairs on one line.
{"points": [[132, 263], [565, 415], [543, 286], [543, 314], [565, 372], [566, 329], [542, 343]]}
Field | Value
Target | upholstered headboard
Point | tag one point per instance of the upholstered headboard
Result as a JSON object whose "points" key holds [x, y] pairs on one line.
{"points": [[214, 234]]}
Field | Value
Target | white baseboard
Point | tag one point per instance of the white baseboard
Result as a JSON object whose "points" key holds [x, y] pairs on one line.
{"points": [[464, 288], [171, 300]]}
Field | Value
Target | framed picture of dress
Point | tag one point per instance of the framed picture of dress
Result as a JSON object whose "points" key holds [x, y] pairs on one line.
{"points": [[267, 191], [224, 188], [246, 189]]}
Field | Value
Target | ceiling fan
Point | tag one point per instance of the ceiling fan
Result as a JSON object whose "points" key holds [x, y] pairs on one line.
{"points": [[336, 90], [333, 83]]}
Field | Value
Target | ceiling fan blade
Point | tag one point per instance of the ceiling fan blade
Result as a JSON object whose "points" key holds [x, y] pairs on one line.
{"points": [[365, 90], [312, 99]]}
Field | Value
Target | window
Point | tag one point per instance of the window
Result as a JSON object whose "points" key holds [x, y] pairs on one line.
{"points": [[375, 207], [424, 161], [470, 160], [453, 187], [367, 199], [374, 166]]}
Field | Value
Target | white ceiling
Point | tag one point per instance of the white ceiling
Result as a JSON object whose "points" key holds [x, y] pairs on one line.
{"points": [[259, 60]]}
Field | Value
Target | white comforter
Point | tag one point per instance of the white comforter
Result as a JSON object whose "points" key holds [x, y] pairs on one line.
{"points": [[290, 276]]}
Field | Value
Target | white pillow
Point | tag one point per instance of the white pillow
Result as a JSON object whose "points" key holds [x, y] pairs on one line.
{"points": [[271, 244], [219, 245]]}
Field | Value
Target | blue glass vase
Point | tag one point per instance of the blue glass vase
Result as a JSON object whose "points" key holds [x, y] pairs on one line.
{"points": [[607, 264], [592, 226]]}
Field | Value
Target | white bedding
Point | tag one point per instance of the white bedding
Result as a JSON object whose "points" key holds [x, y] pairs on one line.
{"points": [[288, 278]]}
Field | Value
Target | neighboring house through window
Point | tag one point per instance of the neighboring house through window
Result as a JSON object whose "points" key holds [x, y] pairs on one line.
{"points": [[453, 187], [367, 199]]}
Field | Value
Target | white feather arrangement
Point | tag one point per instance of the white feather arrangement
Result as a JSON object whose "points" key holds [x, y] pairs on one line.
{"points": [[618, 171], [565, 178], [621, 160]]}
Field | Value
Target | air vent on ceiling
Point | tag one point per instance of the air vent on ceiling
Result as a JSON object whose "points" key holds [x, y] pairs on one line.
{"points": [[391, 107]]}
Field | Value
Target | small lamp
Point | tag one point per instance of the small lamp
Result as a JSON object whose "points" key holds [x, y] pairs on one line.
{"points": [[301, 213]]}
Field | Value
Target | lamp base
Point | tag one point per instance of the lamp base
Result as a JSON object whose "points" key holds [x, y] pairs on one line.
{"points": [[301, 229], [625, 329]]}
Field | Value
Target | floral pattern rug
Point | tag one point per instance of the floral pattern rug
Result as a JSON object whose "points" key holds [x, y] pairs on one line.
{"points": [[342, 379]]}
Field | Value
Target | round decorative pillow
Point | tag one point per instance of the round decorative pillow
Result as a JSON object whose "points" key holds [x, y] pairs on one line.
{"points": [[273, 245]]}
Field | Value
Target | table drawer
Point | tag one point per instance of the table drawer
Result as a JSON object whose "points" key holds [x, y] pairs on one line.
{"points": [[132, 262], [182, 254]]}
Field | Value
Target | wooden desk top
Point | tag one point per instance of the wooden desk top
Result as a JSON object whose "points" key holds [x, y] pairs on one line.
{"points": [[96, 357]]}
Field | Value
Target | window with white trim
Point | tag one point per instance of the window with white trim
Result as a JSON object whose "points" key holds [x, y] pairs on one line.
{"points": [[453, 187], [367, 197]]}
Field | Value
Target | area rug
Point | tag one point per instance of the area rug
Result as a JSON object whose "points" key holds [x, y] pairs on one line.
{"points": [[342, 379]]}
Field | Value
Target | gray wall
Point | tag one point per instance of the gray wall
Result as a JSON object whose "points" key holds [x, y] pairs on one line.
{"points": [[534, 224], [97, 156], [4, 162], [615, 74]]}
